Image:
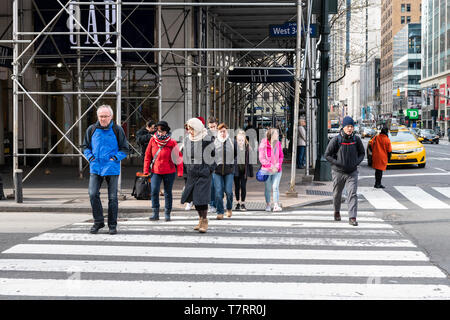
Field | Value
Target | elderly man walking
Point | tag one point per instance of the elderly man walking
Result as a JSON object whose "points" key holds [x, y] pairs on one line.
{"points": [[105, 145], [345, 152]]}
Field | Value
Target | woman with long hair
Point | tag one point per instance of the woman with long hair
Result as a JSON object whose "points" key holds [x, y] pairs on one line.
{"points": [[271, 157], [199, 166], [242, 169]]}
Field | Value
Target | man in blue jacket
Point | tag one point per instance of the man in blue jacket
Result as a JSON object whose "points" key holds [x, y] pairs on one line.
{"points": [[105, 145]]}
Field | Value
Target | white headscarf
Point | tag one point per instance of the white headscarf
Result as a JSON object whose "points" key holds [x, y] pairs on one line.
{"points": [[199, 129]]}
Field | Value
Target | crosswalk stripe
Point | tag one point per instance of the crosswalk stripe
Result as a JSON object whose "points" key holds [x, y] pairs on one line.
{"points": [[166, 227], [285, 224], [421, 198], [200, 239], [301, 213], [216, 253], [189, 268], [215, 290], [443, 190], [380, 199], [279, 218]]}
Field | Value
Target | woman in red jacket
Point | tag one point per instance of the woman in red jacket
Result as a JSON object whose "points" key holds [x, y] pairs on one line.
{"points": [[160, 163], [381, 148]]}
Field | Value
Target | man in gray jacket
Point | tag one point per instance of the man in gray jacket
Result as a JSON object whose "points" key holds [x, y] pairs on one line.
{"points": [[345, 152]]}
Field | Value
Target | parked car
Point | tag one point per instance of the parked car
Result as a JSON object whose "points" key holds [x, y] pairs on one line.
{"points": [[429, 135], [368, 132], [406, 148]]}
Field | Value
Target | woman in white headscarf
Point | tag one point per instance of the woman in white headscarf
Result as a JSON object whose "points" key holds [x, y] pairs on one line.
{"points": [[198, 158]]}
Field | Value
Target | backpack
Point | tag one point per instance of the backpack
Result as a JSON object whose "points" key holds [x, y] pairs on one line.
{"points": [[92, 128], [141, 188]]}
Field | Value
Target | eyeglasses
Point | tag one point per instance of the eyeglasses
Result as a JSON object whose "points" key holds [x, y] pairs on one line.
{"points": [[104, 116]]}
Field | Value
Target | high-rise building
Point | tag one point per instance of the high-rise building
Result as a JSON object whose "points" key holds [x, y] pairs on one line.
{"points": [[436, 63], [395, 14]]}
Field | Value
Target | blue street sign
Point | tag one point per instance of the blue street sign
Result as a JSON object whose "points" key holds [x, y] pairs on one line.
{"points": [[289, 29], [258, 108]]}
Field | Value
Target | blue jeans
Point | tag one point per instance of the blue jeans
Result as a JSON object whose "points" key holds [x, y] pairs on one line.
{"points": [[213, 195], [301, 156], [221, 184], [95, 182], [168, 180], [273, 182]]}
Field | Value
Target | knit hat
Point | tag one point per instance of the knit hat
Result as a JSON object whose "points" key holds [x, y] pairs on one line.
{"points": [[348, 121], [164, 125], [201, 119], [199, 129]]}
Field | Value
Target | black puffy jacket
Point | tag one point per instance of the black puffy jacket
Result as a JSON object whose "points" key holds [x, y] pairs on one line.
{"points": [[345, 152]]}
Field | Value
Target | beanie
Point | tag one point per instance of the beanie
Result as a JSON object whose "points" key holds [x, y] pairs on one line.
{"points": [[348, 121]]}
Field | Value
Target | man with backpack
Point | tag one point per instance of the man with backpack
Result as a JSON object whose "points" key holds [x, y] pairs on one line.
{"points": [[105, 145], [345, 152]]}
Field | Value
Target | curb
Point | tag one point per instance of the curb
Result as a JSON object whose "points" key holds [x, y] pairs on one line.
{"points": [[146, 210]]}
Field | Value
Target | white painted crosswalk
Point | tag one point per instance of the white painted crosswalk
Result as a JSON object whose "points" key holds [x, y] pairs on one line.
{"points": [[406, 197], [301, 254]]}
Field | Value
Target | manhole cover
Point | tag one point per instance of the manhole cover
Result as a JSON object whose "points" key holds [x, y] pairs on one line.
{"points": [[319, 193]]}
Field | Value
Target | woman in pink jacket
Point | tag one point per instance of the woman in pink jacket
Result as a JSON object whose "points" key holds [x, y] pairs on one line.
{"points": [[271, 158]]}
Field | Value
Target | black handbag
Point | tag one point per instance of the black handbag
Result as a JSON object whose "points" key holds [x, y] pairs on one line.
{"points": [[142, 187]]}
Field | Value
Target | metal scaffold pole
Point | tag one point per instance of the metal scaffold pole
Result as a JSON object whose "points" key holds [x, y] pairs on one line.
{"points": [[119, 77], [292, 192]]}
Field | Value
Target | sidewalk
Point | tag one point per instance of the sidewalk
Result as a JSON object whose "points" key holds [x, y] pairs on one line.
{"points": [[62, 191]]}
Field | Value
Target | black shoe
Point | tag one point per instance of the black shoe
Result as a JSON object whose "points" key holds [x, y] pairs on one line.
{"points": [[353, 222], [154, 218], [238, 207], [112, 230], [243, 208], [96, 227], [167, 217], [337, 216], [379, 186]]}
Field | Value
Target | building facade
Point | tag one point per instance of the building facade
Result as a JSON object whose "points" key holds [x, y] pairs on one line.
{"points": [[435, 81], [395, 14], [370, 90], [407, 69]]}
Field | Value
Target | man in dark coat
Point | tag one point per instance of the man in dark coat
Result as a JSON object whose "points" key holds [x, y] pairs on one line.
{"points": [[345, 152], [144, 135]]}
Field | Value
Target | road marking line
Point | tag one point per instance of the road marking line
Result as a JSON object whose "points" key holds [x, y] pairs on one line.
{"points": [[201, 239], [246, 230], [421, 198], [231, 222], [380, 199], [408, 175], [186, 268], [443, 190], [216, 253], [218, 290]]}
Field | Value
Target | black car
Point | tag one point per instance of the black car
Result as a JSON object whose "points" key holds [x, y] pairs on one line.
{"points": [[429, 135]]}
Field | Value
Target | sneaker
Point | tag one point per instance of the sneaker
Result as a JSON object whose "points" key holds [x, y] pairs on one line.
{"points": [[268, 208], [189, 206], [337, 216], [212, 210], [238, 207], [353, 222], [277, 208], [243, 208]]}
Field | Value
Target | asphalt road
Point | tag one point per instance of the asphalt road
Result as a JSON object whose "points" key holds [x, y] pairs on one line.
{"points": [[398, 251], [429, 228]]}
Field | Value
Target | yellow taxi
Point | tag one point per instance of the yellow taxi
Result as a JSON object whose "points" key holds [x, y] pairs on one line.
{"points": [[406, 148]]}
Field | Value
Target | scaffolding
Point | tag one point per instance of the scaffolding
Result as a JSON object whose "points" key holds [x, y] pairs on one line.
{"points": [[216, 53]]}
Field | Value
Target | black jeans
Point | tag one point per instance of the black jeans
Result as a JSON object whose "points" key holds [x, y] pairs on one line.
{"points": [[378, 176], [240, 187]]}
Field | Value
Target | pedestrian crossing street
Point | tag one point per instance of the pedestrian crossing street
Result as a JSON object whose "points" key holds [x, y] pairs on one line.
{"points": [[302, 254], [407, 197]]}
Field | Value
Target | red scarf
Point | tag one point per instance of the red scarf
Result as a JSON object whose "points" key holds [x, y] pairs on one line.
{"points": [[161, 142]]}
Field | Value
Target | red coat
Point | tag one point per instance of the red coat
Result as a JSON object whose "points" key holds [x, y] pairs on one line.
{"points": [[381, 146], [163, 163]]}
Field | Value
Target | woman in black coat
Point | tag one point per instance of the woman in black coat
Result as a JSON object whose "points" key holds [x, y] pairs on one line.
{"points": [[242, 169], [198, 158]]}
